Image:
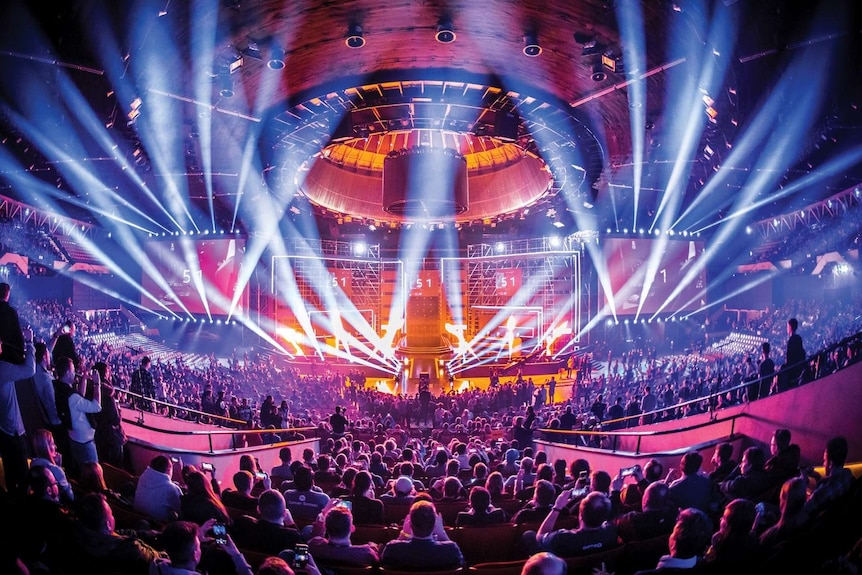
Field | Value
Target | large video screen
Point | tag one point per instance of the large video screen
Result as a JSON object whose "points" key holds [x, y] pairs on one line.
{"points": [[207, 281], [628, 262]]}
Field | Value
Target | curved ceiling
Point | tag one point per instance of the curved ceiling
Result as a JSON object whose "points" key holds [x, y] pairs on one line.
{"points": [[661, 131]]}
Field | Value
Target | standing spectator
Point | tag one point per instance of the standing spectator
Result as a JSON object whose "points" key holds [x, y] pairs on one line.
{"points": [[13, 451], [338, 423], [110, 436], [143, 384], [10, 329], [598, 408], [63, 344], [648, 404], [47, 402], [766, 371], [156, 495], [82, 433], [794, 358]]}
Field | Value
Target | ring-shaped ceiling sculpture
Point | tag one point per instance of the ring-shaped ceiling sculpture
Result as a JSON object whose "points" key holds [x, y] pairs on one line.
{"points": [[435, 151]]}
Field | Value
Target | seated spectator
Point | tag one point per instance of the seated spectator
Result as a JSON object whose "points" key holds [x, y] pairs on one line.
{"points": [[438, 467], [593, 534], [452, 490], [524, 478], [538, 508], [103, 547], [750, 480], [784, 461], [837, 482], [325, 475], [734, 544], [378, 467], [688, 542], [252, 465], [366, 509], [480, 475], [544, 563], [199, 503], [792, 514], [44, 528], [330, 541], [423, 543], [47, 456], [693, 489], [182, 542], [401, 492], [480, 512], [273, 531], [240, 498], [345, 486], [657, 517], [494, 485], [304, 503], [156, 495], [722, 461], [92, 480], [452, 470], [282, 471]]}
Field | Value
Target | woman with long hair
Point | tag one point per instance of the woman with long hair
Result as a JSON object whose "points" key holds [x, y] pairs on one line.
{"points": [[199, 503], [48, 456]]}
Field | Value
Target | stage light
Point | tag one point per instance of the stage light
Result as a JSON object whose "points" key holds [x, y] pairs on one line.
{"points": [[641, 231], [445, 32], [354, 37], [500, 247], [599, 74], [276, 57], [531, 45], [626, 322], [218, 322], [555, 241], [671, 233], [226, 86], [625, 230], [359, 249]]}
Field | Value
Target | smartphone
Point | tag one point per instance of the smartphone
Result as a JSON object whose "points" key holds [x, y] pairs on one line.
{"points": [[66, 328], [346, 504], [206, 466], [260, 475], [175, 460], [583, 476], [300, 555], [220, 533]]}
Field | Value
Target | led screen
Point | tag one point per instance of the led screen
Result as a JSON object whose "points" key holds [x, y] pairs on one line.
{"points": [[206, 280], [628, 266]]}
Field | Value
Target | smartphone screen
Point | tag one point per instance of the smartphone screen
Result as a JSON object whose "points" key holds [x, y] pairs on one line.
{"points": [[300, 555], [205, 466], [220, 533]]}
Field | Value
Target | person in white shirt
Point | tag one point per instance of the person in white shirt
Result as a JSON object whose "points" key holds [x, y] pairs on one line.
{"points": [[82, 433]]}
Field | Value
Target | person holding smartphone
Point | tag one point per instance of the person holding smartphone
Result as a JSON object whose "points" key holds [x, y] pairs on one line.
{"points": [[182, 540], [330, 538]]}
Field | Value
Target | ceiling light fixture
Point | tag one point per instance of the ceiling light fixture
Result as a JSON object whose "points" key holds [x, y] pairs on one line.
{"points": [[354, 37], [531, 45], [445, 32]]}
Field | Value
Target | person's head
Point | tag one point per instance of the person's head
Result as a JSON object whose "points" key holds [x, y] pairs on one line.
{"points": [[452, 468], [653, 470], [792, 325], [577, 466], [160, 463], [284, 455], [560, 468], [92, 478], [64, 367], [95, 514], [403, 486], [835, 454], [452, 487], [41, 354], [601, 481], [738, 518], [323, 463], [792, 498], [544, 563], [197, 484], [146, 362], [494, 483], [104, 371], [780, 440], [44, 446], [511, 456], [271, 506], [423, 515], [691, 534], [42, 484], [243, 481], [337, 409], [594, 509], [753, 459], [302, 478], [656, 496], [723, 452], [339, 523], [180, 540], [527, 464], [765, 348], [691, 462], [440, 458], [274, 566], [480, 499], [480, 471], [362, 483], [5, 290], [247, 463], [544, 493], [545, 471]]}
